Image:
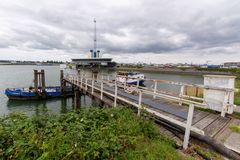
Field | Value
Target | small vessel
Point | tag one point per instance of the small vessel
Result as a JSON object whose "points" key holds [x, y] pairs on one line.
{"points": [[130, 78], [30, 93]]}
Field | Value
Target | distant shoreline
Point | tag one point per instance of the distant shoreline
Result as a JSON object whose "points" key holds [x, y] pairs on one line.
{"points": [[173, 71], [29, 65]]}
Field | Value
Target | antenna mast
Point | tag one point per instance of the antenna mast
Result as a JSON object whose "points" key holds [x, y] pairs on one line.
{"points": [[95, 36]]}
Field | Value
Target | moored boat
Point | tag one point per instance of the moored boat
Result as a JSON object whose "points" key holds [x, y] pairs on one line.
{"points": [[130, 78], [30, 93]]}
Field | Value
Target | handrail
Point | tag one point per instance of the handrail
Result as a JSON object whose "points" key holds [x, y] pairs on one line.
{"points": [[188, 125]]}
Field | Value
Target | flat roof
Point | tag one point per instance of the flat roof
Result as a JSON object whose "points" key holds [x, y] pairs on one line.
{"points": [[92, 60], [219, 76]]}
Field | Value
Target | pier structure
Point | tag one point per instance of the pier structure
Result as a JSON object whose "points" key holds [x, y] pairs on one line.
{"points": [[174, 109]]}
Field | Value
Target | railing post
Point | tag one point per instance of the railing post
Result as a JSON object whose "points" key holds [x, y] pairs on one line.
{"points": [[155, 89], [125, 83], [139, 103], [188, 126], [86, 84], [92, 85], [115, 96], [102, 88], [81, 81], [108, 78], [181, 93], [77, 80], [137, 83]]}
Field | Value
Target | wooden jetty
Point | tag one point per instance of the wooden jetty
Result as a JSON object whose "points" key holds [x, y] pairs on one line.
{"points": [[175, 109]]}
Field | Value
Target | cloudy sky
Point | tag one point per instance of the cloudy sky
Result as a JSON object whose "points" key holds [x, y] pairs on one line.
{"points": [[157, 31]]}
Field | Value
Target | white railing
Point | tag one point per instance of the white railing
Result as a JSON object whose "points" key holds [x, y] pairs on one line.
{"points": [[94, 86]]}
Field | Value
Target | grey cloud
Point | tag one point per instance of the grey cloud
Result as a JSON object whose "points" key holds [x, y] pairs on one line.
{"points": [[131, 27]]}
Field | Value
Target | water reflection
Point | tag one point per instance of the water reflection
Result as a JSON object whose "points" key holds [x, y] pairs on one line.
{"points": [[40, 107]]}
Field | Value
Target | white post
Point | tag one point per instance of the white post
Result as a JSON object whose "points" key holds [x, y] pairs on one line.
{"points": [[137, 83], [225, 103], [139, 103], [115, 96], [86, 84], [188, 126], [125, 83], [92, 85], [181, 93], [81, 81], [102, 88], [108, 78], [155, 89]]}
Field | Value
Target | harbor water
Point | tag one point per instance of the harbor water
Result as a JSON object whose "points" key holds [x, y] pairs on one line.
{"points": [[12, 76]]}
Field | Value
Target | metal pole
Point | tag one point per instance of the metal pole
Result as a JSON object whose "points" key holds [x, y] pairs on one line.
{"points": [[139, 103], [115, 96], [188, 126], [155, 89]]}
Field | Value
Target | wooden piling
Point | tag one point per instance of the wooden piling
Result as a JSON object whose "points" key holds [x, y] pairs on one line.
{"points": [[77, 98], [43, 84], [36, 80]]}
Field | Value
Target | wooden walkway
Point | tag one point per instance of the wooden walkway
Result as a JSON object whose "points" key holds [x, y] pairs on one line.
{"points": [[201, 122]]}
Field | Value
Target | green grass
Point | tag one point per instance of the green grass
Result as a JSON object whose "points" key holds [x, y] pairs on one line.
{"points": [[237, 100], [235, 128], [91, 133], [207, 153]]}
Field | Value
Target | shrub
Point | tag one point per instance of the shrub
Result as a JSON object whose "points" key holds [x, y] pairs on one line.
{"points": [[87, 134]]}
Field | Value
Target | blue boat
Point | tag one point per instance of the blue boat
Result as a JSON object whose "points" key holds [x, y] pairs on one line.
{"points": [[30, 93]]}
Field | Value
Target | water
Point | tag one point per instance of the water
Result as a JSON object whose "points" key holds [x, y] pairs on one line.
{"points": [[22, 76]]}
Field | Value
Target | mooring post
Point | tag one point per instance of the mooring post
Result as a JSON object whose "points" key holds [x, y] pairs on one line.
{"points": [[36, 80], [181, 93], [188, 126], [77, 97], [155, 89], [139, 103], [102, 88], [61, 81], [43, 80], [115, 96], [43, 83]]}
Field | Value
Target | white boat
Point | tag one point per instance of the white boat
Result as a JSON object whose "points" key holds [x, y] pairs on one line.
{"points": [[130, 78]]}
